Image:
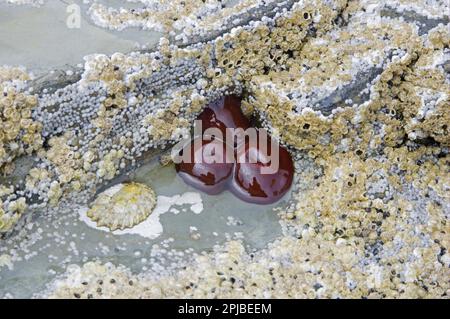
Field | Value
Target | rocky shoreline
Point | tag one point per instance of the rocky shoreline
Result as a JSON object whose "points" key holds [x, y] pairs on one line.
{"points": [[358, 91]]}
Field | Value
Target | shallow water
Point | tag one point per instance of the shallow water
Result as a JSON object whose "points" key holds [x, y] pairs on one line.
{"points": [[29, 34], [53, 241]]}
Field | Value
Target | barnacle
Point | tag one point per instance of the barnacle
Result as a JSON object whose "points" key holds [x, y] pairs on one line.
{"points": [[122, 206]]}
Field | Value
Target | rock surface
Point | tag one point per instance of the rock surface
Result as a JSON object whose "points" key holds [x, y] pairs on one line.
{"points": [[359, 92]]}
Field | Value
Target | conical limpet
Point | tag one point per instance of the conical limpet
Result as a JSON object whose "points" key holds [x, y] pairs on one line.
{"points": [[122, 206]]}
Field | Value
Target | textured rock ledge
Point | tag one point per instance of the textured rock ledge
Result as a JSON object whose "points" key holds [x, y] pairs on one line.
{"points": [[361, 97]]}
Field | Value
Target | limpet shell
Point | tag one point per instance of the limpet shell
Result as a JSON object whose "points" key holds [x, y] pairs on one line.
{"points": [[122, 206]]}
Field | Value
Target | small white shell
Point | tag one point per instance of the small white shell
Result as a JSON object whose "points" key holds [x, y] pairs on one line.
{"points": [[123, 206]]}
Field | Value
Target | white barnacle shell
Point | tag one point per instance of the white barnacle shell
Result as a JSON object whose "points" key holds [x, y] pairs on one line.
{"points": [[122, 206]]}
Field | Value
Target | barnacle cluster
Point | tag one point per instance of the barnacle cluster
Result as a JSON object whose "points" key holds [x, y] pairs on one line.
{"points": [[11, 212], [181, 20], [19, 133], [161, 15], [359, 91], [320, 120]]}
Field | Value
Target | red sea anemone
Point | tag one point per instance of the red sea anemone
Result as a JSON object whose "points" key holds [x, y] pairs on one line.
{"points": [[249, 173]]}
